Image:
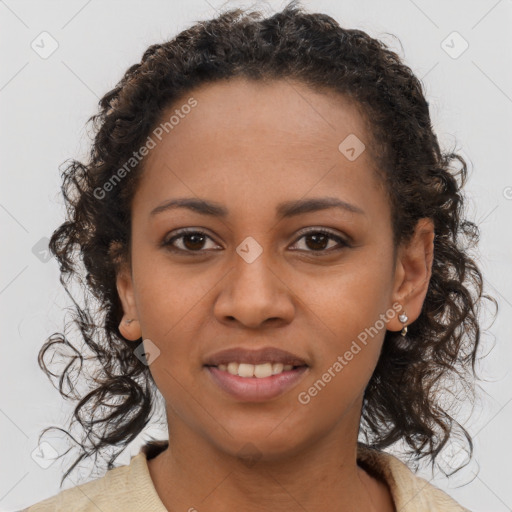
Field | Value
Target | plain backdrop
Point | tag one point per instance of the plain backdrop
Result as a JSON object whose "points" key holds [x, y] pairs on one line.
{"points": [[459, 49]]}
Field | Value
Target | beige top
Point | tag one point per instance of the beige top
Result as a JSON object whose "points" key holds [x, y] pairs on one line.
{"points": [[129, 488]]}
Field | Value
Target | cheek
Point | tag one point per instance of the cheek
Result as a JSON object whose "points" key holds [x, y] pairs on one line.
{"points": [[167, 296], [346, 360], [172, 306], [347, 300], [348, 320]]}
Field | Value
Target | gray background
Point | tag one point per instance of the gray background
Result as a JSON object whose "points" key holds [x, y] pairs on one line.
{"points": [[45, 103]]}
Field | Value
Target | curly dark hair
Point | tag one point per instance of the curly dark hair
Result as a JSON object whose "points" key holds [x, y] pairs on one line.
{"points": [[419, 178]]}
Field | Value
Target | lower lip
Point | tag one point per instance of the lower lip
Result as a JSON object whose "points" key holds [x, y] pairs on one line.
{"points": [[254, 389]]}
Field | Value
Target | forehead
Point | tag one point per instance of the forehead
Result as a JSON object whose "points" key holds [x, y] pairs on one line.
{"points": [[265, 138], [288, 111]]}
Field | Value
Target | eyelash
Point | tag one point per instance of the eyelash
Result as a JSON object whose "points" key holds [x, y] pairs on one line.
{"points": [[168, 243]]}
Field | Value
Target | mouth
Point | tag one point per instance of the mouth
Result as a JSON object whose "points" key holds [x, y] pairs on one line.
{"points": [[257, 371], [255, 376], [260, 357], [256, 389]]}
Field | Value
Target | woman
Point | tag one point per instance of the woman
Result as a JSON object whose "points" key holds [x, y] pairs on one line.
{"points": [[277, 245]]}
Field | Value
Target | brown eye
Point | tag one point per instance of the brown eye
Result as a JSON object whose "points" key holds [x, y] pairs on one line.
{"points": [[188, 241], [318, 241]]}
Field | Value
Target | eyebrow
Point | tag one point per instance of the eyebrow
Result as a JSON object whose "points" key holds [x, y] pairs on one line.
{"points": [[284, 210]]}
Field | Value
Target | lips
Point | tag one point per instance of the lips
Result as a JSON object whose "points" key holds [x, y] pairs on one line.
{"points": [[252, 389], [261, 356]]}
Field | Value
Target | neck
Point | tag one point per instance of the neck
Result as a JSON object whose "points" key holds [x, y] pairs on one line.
{"points": [[193, 474]]}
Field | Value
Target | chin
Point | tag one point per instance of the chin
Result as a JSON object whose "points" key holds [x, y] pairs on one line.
{"points": [[259, 444]]}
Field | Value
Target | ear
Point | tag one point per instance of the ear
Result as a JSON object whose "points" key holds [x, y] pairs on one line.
{"points": [[129, 326], [412, 273]]}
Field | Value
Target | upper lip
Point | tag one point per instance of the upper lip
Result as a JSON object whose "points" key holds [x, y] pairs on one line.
{"points": [[264, 355]]}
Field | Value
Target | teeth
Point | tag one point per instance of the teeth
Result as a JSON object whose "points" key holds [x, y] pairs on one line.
{"points": [[260, 371], [277, 368], [246, 370]]}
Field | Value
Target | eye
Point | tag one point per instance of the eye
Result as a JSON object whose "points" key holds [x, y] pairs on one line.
{"points": [[317, 240], [193, 241], [189, 240]]}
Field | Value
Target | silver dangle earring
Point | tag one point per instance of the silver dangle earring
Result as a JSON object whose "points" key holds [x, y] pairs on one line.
{"points": [[403, 318]]}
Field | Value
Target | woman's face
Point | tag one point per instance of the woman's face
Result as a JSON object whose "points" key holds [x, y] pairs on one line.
{"points": [[260, 274]]}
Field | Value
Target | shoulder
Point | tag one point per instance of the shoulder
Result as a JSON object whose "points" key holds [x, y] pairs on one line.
{"points": [[410, 492], [125, 488]]}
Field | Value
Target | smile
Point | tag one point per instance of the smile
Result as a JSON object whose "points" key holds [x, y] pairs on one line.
{"points": [[256, 383], [259, 371]]}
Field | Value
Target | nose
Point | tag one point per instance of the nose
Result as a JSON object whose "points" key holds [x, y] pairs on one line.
{"points": [[255, 294]]}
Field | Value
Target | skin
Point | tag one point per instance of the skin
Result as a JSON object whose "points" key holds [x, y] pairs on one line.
{"points": [[249, 146]]}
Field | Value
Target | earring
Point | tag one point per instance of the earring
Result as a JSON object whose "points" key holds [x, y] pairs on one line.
{"points": [[403, 318], [129, 321]]}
